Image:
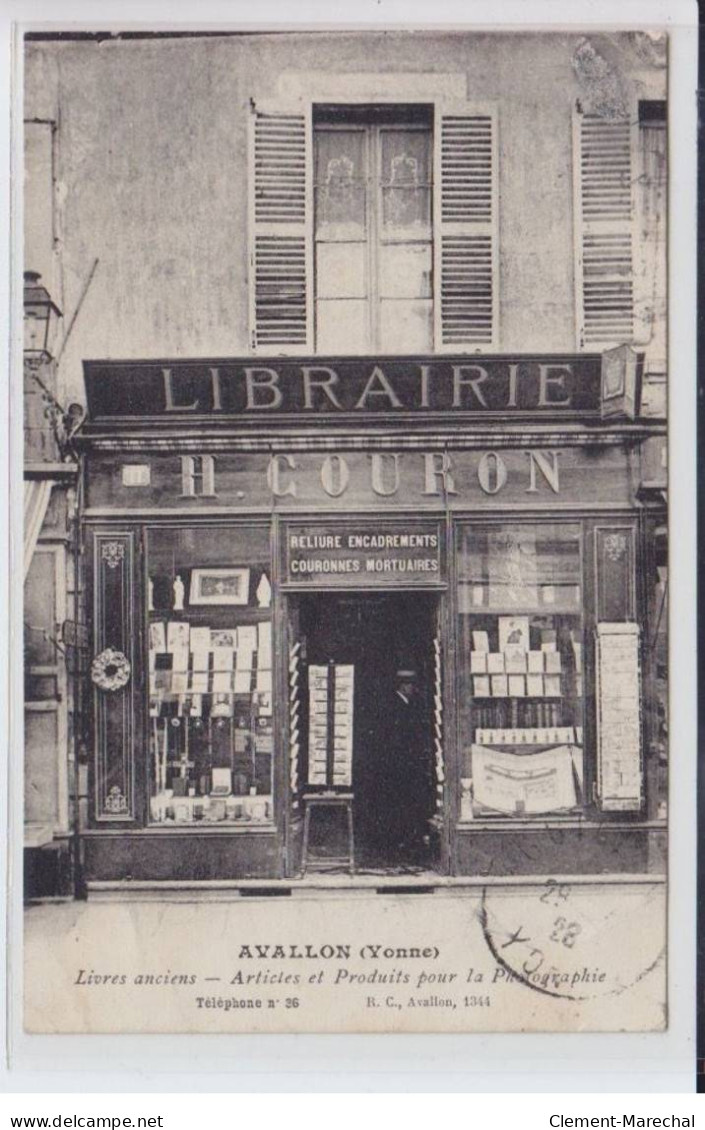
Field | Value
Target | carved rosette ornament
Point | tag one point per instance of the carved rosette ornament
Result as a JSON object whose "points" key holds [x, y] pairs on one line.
{"points": [[113, 552], [115, 802], [110, 671]]}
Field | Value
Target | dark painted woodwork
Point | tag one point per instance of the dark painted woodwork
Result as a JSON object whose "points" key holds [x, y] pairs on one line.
{"points": [[114, 710], [353, 554], [188, 856], [614, 554], [605, 850]]}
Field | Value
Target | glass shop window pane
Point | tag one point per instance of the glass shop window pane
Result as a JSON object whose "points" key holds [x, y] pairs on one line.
{"points": [[211, 740], [521, 665]]}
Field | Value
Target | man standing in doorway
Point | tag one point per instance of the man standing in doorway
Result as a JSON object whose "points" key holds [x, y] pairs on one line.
{"points": [[407, 780]]}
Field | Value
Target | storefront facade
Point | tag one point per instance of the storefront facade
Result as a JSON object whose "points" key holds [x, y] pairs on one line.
{"points": [[402, 407]]}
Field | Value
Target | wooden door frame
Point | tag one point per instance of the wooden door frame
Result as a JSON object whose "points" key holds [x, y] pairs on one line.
{"points": [[442, 613]]}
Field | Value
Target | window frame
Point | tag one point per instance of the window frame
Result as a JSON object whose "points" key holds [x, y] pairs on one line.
{"points": [[375, 236], [595, 807], [257, 524], [467, 526]]}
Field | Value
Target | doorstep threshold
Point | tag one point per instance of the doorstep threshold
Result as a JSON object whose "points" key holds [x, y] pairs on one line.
{"points": [[424, 883]]}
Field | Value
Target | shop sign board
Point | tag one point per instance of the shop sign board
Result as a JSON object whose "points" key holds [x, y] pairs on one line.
{"points": [[350, 480], [362, 554]]}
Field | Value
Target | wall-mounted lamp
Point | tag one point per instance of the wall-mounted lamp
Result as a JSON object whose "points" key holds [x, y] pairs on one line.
{"points": [[40, 318]]}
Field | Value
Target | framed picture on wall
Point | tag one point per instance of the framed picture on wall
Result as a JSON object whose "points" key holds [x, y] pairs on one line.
{"points": [[219, 586]]}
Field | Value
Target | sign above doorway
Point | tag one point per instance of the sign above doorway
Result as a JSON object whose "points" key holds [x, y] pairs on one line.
{"points": [[358, 555]]}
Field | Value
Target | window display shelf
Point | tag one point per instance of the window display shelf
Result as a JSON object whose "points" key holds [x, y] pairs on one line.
{"points": [[165, 808], [210, 679], [531, 738], [521, 684]]}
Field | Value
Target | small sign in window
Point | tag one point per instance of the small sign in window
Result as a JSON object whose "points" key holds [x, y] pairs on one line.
{"points": [[136, 475]]}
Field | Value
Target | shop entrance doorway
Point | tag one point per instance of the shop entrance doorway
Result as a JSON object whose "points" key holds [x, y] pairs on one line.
{"points": [[388, 641]]}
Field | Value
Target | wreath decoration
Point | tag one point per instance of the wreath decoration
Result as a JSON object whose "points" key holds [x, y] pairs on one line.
{"points": [[110, 670]]}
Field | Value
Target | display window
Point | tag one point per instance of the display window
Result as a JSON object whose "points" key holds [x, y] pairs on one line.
{"points": [[211, 737], [524, 705], [520, 670]]}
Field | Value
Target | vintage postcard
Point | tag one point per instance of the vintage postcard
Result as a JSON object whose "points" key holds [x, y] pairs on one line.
{"points": [[346, 530]]}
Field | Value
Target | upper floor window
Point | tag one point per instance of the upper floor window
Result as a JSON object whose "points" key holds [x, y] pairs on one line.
{"points": [[374, 229], [373, 268]]}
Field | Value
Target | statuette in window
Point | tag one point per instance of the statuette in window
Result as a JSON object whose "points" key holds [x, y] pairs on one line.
{"points": [[179, 595], [264, 592]]}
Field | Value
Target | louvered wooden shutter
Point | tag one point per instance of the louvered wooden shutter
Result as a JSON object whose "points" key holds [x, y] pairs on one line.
{"points": [[604, 210], [466, 297], [280, 175]]}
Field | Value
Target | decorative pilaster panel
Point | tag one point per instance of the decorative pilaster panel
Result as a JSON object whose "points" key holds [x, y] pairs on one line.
{"points": [[614, 550], [112, 672]]}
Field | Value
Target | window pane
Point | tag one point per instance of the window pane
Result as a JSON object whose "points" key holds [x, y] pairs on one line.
{"points": [[525, 568], [405, 326], [40, 610], [41, 766], [340, 184], [342, 325], [520, 637], [341, 270], [405, 180], [210, 676], [405, 270]]}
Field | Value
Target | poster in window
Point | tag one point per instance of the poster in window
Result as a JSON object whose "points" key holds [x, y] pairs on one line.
{"points": [[513, 568]]}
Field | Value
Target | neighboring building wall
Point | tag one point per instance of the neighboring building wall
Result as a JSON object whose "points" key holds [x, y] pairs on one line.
{"points": [[49, 564], [45, 675], [48, 718]]}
